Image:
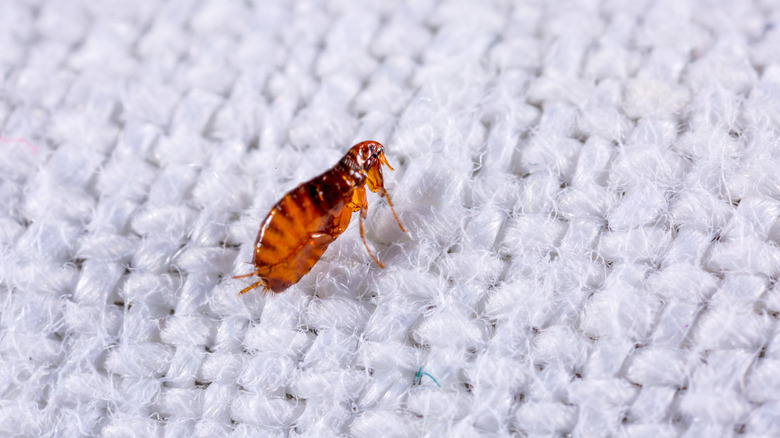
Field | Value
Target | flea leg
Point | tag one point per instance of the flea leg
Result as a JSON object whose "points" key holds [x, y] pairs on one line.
{"points": [[254, 285], [260, 282], [359, 202], [390, 203], [376, 183], [363, 236]]}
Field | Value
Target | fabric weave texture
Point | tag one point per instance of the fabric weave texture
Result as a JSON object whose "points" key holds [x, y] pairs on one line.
{"points": [[591, 189]]}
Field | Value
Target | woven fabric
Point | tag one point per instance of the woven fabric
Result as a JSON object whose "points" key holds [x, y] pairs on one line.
{"points": [[590, 189]]}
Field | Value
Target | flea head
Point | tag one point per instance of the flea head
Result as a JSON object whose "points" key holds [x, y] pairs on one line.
{"points": [[369, 155], [368, 158]]}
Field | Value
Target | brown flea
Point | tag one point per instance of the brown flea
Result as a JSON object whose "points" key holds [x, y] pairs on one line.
{"points": [[299, 228]]}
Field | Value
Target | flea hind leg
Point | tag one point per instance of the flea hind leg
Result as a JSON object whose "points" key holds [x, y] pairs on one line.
{"points": [[260, 282], [254, 285]]}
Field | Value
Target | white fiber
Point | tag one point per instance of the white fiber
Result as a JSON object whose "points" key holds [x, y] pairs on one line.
{"points": [[589, 190]]}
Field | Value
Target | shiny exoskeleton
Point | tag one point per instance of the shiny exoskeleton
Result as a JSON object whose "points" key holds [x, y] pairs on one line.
{"points": [[299, 228]]}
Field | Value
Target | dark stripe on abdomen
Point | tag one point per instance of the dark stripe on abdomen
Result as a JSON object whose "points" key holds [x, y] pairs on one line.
{"points": [[330, 190]]}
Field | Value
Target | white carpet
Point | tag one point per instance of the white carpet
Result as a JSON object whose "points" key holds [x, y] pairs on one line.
{"points": [[592, 192]]}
